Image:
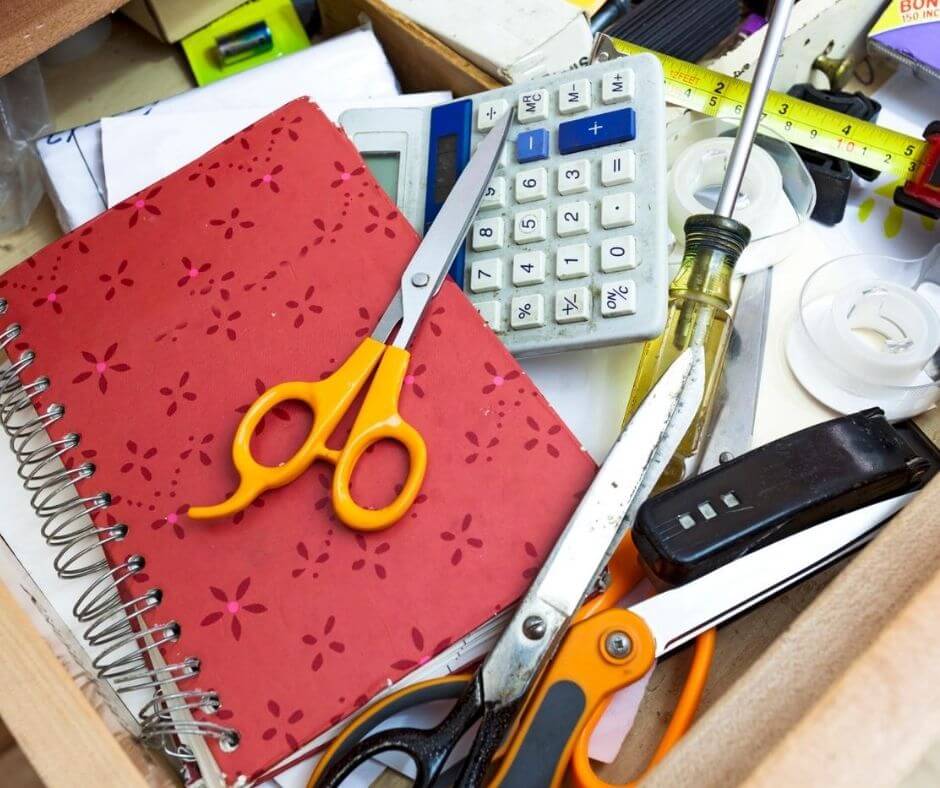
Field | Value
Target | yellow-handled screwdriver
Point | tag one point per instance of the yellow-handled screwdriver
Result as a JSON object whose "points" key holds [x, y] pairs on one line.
{"points": [[700, 294]]}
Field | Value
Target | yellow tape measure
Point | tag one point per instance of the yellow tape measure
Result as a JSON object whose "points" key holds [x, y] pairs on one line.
{"points": [[798, 122]]}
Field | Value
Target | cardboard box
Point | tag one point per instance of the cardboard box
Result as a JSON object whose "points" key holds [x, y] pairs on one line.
{"points": [[514, 42], [30, 27], [171, 20], [421, 61]]}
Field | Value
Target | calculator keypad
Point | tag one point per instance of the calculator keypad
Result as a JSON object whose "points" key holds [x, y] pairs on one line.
{"points": [[574, 177], [529, 226], [527, 311], [486, 275], [487, 234], [574, 96], [531, 184], [528, 268], [569, 246]]}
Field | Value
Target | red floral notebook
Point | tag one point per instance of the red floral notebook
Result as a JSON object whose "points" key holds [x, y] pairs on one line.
{"points": [[268, 260]]}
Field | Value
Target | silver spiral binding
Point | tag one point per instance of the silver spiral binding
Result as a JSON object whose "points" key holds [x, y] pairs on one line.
{"points": [[114, 624]]}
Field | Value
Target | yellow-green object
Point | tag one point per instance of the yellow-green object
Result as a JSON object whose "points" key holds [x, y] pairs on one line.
{"points": [[798, 122], [287, 35], [699, 300]]}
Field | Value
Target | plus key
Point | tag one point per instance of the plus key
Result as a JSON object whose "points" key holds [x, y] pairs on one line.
{"points": [[596, 131]]}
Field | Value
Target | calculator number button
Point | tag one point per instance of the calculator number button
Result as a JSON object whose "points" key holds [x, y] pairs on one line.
{"points": [[574, 96], [528, 268], [495, 194], [573, 219], [492, 313], [487, 234], [529, 226], [527, 311], [618, 210], [574, 177], [617, 86], [618, 254], [531, 185], [486, 275], [618, 167], [618, 298], [596, 131], [572, 306], [488, 112], [572, 261], [532, 106]]}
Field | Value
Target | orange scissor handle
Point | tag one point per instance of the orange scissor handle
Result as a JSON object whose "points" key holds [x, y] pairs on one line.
{"points": [[583, 673], [582, 773], [625, 572], [380, 420], [329, 399]]}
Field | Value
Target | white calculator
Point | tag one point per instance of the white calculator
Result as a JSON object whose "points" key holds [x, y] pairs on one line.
{"points": [[568, 249]]}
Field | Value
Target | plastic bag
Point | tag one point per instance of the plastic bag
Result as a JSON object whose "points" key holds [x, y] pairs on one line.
{"points": [[24, 116]]}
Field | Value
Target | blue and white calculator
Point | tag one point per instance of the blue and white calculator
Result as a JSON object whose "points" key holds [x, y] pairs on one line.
{"points": [[569, 247]]}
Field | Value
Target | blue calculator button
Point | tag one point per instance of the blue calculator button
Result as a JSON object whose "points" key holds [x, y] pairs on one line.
{"points": [[532, 145], [596, 131]]}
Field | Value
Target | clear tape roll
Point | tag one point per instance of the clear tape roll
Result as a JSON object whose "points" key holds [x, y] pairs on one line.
{"points": [[867, 333], [701, 167], [775, 199]]}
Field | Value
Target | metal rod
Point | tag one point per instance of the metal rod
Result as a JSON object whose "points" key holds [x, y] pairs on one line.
{"points": [[760, 85]]}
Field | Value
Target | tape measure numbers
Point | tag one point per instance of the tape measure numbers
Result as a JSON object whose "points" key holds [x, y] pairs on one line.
{"points": [[798, 122]]}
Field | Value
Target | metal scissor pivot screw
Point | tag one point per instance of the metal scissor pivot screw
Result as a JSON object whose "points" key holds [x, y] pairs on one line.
{"points": [[618, 644], [725, 456], [420, 279], [534, 627]]}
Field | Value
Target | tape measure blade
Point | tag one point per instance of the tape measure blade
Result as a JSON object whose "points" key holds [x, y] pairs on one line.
{"points": [[799, 122]]}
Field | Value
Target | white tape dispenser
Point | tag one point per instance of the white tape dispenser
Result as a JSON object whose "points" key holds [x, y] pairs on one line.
{"points": [[868, 332]]}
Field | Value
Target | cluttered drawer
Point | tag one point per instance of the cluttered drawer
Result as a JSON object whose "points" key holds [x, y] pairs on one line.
{"points": [[257, 595]]}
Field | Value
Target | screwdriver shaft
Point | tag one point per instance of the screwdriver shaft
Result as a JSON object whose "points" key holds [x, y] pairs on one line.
{"points": [[763, 76]]}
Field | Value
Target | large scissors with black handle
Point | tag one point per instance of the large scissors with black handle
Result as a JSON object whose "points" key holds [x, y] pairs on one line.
{"points": [[534, 715], [495, 695]]}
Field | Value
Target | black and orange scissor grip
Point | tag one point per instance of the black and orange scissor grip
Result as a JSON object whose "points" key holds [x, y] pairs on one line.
{"points": [[577, 681], [559, 715], [555, 728]]}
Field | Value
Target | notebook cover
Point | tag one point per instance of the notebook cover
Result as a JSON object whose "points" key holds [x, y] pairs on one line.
{"points": [[268, 260]]}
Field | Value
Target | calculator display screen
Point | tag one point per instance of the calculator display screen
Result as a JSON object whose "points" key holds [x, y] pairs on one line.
{"points": [[384, 166], [445, 170]]}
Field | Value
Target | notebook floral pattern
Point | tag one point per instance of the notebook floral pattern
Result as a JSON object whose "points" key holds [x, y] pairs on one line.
{"points": [[159, 323]]}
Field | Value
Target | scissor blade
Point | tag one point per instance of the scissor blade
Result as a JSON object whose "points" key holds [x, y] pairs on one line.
{"points": [[732, 428], [430, 263], [678, 615], [606, 511]]}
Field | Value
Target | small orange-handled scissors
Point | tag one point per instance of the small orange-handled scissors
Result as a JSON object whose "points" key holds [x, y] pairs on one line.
{"points": [[331, 398]]}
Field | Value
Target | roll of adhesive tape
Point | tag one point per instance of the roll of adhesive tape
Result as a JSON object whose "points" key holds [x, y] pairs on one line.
{"points": [[702, 165], [867, 344]]}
